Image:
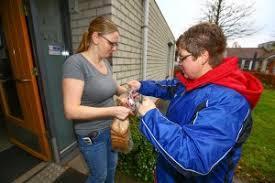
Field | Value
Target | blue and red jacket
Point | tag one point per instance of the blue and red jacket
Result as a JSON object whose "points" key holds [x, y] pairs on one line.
{"points": [[208, 119]]}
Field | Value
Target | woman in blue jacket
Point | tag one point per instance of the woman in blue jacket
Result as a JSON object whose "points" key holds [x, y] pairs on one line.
{"points": [[209, 115]]}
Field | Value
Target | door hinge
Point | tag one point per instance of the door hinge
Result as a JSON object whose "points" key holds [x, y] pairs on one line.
{"points": [[35, 71], [24, 8]]}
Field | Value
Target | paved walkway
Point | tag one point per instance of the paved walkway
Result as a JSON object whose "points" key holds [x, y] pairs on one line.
{"points": [[48, 172], [44, 172]]}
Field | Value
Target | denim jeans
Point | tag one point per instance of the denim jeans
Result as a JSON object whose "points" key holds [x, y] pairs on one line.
{"points": [[99, 156]]}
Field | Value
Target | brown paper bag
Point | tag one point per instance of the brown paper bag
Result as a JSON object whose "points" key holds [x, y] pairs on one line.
{"points": [[121, 136], [120, 130]]}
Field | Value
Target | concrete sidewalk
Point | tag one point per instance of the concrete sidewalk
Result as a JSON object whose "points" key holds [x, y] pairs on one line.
{"points": [[48, 172], [44, 172]]}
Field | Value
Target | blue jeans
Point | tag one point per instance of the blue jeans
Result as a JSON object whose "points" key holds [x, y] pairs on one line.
{"points": [[99, 156]]}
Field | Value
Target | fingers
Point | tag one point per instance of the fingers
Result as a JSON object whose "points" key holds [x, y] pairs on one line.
{"points": [[146, 105], [147, 101], [127, 110], [134, 85], [132, 113], [136, 95], [124, 113], [122, 101]]}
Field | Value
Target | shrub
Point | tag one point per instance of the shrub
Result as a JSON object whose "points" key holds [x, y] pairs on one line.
{"points": [[140, 162], [267, 79]]}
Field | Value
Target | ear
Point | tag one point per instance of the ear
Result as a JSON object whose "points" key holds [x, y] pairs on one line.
{"points": [[204, 57], [95, 38]]}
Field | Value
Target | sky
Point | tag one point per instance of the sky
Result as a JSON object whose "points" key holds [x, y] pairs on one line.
{"points": [[181, 14]]}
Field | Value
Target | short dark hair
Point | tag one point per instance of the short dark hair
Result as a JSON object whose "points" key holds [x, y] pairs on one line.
{"points": [[204, 37]]}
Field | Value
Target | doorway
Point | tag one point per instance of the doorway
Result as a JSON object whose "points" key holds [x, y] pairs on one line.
{"points": [[36, 34], [49, 28], [5, 74], [19, 97]]}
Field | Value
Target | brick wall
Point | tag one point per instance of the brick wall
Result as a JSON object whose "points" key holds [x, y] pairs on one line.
{"points": [[160, 55], [128, 15], [81, 17], [127, 61]]}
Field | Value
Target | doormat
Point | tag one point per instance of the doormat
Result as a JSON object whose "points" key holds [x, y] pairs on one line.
{"points": [[71, 176], [14, 162]]}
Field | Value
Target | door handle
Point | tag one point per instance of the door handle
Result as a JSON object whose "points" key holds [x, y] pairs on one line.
{"points": [[23, 80]]}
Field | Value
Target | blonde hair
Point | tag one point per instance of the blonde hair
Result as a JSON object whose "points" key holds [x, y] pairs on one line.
{"points": [[102, 25]]}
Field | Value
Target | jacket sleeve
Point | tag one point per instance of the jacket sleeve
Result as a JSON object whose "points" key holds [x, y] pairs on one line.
{"points": [[198, 147], [164, 89]]}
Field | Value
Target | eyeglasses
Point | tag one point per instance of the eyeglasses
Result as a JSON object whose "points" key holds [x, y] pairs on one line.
{"points": [[112, 44], [181, 59]]}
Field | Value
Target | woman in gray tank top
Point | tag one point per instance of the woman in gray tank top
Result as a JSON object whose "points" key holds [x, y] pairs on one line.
{"points": [[88, 90]]}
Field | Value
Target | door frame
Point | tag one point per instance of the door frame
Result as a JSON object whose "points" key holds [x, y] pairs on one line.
{"points": [[37, 54]]}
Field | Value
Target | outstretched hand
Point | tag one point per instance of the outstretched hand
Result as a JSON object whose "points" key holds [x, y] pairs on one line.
{"points": [[146, 105], [134, 86]]}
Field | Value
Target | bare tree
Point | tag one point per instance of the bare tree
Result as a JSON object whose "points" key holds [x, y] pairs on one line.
{"points": [[234, 19]]}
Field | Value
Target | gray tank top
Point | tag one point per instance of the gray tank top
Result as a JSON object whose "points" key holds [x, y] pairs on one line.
{"points": [[99, 90]]}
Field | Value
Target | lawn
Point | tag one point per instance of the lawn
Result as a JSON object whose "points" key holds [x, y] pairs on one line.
{"points": [[258, 160]]}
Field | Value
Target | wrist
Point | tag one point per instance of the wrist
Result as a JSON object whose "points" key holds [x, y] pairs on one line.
{"points": [[143, 113], [111, 111]]}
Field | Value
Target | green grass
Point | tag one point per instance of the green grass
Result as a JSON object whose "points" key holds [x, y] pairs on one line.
{"points": [[258, 159]]}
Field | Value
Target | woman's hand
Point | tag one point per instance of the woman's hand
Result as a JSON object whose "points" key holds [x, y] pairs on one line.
{"points": [[122, 100], [121, 90], [121, 112], [146, 106]]}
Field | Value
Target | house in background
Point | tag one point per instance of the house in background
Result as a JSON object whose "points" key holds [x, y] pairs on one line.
{"points": [[37, 37], [261, 59]]}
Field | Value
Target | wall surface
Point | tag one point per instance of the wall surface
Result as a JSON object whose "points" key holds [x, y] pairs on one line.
{"points": [[129, 16], [160, 54], [82, 13], [127, 62]]}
